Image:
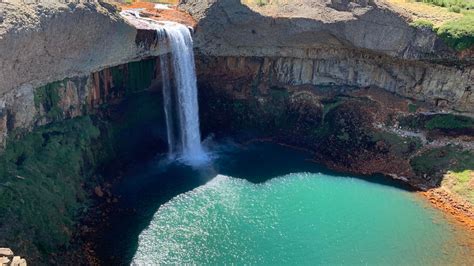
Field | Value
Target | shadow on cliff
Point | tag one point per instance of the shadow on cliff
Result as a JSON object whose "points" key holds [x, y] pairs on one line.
{"points": [[229, 24]]}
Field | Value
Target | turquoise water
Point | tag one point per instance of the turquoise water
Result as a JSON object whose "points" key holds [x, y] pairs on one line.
{"points": [[299, 218]]}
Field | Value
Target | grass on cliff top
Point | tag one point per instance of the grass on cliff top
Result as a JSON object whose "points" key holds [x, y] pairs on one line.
{"points": [[461, 183], [459, 4], [452, 20], [458, 34]]}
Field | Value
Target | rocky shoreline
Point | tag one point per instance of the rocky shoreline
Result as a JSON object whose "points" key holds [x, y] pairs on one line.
{"points": [[451, 204]]}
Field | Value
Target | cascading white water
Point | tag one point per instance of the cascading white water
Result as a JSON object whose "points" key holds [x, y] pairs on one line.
{"points": [[167, 102], [186, 98], [181, 105]]}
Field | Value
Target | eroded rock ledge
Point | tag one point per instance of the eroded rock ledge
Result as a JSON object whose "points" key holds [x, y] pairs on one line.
{"points": [[339, 82], [364, 45], [45, 44]]}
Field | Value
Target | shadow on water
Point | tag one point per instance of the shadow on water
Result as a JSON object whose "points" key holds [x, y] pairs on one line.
{"points": [[148, 185]]}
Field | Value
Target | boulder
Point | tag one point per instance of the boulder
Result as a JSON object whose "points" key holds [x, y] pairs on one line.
{"points": [[4, 261], [6, 252]]}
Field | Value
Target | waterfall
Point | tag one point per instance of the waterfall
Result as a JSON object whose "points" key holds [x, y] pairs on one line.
{"points": [[186, 98], [167, 103], [181, 100]]}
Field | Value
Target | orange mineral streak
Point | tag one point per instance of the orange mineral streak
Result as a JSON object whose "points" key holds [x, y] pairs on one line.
{"points": [[173, 14], [457, 208]]}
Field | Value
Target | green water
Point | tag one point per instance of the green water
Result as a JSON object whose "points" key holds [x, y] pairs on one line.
{"points": [[300, 218]]}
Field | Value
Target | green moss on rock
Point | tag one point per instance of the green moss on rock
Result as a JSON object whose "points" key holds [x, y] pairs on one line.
{"points": [[48, 98], [41, 180], [140, 75]]}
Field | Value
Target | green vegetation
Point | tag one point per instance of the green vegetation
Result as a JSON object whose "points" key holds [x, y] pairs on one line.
{"points": [[41, 179], [400, 145], [412, 108], [440, 122], [437, 162], [464, 4], [48, 97], [458, 34], [455, 9], [449, 121], [462, 183], [422, 23], [261, 2]]}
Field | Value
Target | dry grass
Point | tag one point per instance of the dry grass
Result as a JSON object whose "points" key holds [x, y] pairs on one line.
{"points": [[460, 183], [421, 11]]}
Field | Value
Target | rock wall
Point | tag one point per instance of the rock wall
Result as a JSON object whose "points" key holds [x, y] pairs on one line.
{"points": [[56, 44], [360, 44], [78, 126], [25, 108], [443, 87], [227, 27], [43, 43]]}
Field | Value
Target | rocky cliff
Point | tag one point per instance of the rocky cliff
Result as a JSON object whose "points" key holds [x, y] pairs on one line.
{"points": [[355, 43], [47, 43], [350, 81]]}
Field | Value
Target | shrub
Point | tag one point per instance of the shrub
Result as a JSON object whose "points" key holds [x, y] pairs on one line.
{"points": [[261, 2], [421, 23], [460, 4], [449, 121], [459, 34], [455, 9]]}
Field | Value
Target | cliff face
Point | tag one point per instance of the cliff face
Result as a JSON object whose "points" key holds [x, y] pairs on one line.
{"points": [[351, 81], [61, 44], [44, 43], [227, 27], [353, 43], [441, 86]]}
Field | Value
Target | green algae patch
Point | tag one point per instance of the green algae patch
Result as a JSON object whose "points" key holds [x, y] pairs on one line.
{"points": [[48, 98], [140, 75], [42, 179]]}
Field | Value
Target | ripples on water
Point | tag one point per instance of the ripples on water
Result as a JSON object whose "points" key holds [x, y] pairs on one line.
{"points": [[300, 218]]}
